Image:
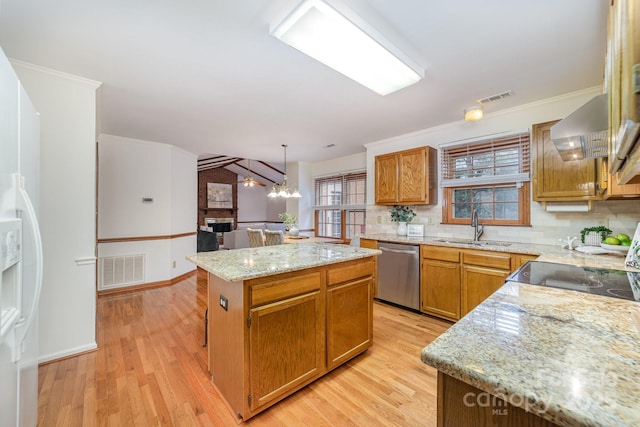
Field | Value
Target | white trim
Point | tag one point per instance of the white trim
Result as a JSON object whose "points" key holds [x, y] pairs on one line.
{"points": [[17, 62], [67, 353]]}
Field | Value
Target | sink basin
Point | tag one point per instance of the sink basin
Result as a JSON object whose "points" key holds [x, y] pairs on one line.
{"points": [[471, 242]]}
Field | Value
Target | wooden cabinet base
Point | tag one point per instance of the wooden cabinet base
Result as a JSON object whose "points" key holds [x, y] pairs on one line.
{"points": [[271, 336], [460, 404]]}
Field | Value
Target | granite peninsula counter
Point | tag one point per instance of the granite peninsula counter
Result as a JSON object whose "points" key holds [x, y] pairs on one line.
{"points": [[570, 358], [282, 316]]}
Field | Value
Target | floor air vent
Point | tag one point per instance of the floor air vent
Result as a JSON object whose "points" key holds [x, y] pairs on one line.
{"points": [[121, 270]]}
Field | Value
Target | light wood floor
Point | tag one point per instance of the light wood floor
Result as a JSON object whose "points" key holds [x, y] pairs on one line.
{"points": [[150, 369]]}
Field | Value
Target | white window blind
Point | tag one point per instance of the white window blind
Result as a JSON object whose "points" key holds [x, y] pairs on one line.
{"points": [[341, 191], [491, 160]]}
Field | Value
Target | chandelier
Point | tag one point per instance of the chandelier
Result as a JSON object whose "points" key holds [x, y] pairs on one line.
{"points": [[283, 189]]}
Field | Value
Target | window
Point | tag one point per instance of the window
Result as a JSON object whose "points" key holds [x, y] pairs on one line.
{"points": [[340, 205], [490, 175]]}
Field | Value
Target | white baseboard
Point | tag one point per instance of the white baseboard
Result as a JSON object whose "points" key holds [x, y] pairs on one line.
{"points": [[67, 353]]}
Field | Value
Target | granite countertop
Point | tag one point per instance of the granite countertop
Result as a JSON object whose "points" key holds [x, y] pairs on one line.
{"points": [[572, 358], [546, 253], [242, 264]]}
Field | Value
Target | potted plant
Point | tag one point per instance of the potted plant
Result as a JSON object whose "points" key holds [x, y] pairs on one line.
{"points": [[402, 214], [290, 222]]}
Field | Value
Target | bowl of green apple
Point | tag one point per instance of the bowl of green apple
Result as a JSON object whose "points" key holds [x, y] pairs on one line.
{"points": [[618, 243]]}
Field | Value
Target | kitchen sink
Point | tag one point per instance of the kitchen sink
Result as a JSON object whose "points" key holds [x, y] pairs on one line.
{"points": [[471, 242]]}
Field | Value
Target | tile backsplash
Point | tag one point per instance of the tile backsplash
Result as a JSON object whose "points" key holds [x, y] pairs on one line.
{"points": [[546, 227]]}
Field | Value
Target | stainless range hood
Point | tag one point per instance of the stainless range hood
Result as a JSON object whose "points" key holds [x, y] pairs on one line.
{"points": [[584, 133]]}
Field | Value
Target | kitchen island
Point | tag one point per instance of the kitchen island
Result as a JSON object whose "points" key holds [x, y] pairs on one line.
{"points": [[282, 316], [533, 355]]}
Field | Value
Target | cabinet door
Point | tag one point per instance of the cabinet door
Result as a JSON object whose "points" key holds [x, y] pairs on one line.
{"points": [[521, 259], [440, 288], [386, 179], [287, 346], [412, 172], [478, 283], [349, 320], [553, 178], [620, 191], [418, 177]]}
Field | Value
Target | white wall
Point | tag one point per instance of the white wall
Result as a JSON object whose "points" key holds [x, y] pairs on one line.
{"points": [[353, 163], [546, 228], [67, 106], [255, 206], [130, 170]]}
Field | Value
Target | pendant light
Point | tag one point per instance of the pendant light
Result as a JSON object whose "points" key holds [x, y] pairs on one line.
{"points": [[283, 190]]}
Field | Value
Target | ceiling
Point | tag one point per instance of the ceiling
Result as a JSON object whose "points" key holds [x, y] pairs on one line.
{"points": [[205, 75]]}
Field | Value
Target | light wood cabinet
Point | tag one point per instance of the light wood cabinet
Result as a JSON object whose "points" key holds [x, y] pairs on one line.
{"points": [[372, 244], [440, 282], [454, 281], [616, 190], [557, 180], [518, 260], [271, 336], [349, 320], [622, 71], [483, 273], [407, 177], [478, 283], [386, 173], [487, 410], [286, 347]]}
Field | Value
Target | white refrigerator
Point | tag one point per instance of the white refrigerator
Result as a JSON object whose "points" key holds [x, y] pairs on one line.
{"points": [[20, 252]]}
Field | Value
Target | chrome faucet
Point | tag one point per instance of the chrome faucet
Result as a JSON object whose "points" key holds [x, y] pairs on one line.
{"points": [[474, 224]]}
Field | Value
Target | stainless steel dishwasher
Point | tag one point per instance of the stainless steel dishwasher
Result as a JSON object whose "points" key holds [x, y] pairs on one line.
{"points": [[399, 274]]}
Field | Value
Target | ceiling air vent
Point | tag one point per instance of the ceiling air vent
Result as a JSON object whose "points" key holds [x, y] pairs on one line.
{"points": [[494, 97]]}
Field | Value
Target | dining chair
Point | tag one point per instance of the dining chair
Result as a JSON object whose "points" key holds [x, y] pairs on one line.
{"points": [[256, 238], [273, 237]]}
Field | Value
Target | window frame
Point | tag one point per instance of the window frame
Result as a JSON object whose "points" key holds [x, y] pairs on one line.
{"points": [[342, 207], [455, 178]]}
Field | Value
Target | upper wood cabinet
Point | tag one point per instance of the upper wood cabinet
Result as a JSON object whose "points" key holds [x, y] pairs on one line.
{"points": [[616, 190], [557, 180], [622, 76], [407, 177]]}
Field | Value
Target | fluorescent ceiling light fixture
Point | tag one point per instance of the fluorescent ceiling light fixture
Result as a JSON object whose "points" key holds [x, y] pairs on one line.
{"points": [[473, 113], [348, 45]]}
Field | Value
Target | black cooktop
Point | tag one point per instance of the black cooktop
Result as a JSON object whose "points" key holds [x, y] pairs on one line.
{"points": [[598, 281]]}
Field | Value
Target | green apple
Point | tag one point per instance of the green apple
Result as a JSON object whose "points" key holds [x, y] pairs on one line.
{"points": [[626, 243], [612, 241], [622, 237]]}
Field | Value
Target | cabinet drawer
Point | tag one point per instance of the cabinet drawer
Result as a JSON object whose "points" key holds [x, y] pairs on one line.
{"points": [[350, 271], [275, 290], [440, 253], [487, 259]]}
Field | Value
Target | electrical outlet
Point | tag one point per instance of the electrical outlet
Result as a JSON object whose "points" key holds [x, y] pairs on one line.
{"points": [[430, 220], [379, 219]]}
